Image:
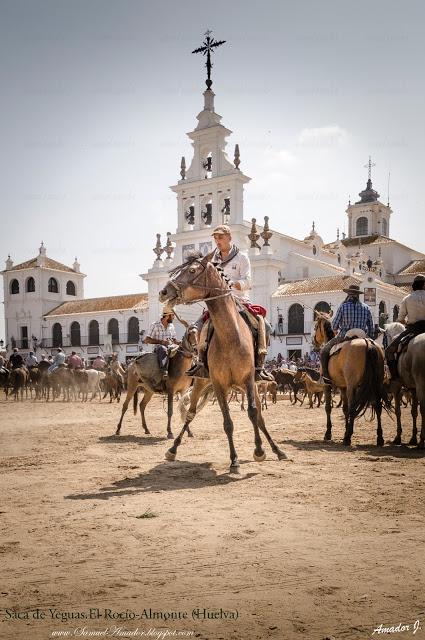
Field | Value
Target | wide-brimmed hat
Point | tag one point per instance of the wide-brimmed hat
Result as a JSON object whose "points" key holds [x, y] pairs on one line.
{"points": [[353, 290], [419, 278], [222, 228], [167, 310]]}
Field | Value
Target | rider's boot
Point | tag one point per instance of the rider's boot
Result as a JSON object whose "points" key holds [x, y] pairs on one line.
{"points": [[261, 375], [198, 369]]}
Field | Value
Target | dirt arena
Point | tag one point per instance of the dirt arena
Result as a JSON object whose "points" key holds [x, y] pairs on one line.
{"points": [[327, 545]]}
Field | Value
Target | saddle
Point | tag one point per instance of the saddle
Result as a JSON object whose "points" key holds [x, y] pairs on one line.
{"points": [[404, 342], [349, 336]]}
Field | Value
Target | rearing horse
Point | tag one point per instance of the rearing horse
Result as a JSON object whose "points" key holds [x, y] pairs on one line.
{"points": [[358, 370], [230, 353]]}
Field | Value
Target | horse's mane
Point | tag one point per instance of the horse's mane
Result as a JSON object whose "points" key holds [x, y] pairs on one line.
{"points": [[191, 257]]}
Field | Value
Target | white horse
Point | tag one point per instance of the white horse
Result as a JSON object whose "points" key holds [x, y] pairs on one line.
{"points": [[411, 376]]}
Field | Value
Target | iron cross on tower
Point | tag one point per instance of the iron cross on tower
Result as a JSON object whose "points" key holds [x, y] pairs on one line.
{"points": [[208, 45], [369, 166]]}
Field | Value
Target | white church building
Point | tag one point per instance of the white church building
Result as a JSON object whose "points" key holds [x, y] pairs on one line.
{"points": [[44, 300]]}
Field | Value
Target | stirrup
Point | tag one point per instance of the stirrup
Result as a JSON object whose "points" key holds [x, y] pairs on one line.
{"points": [[261, 375], [198, 370], [324, 380]]}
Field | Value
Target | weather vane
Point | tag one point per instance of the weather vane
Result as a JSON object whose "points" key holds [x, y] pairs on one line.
{"points": [[208, 45], [369, 166]]}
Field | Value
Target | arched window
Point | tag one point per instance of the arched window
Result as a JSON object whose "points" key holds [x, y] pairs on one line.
{"points": [[113, 329], [30, 285], [52, 286], [314, 249], [75, 334], [322, 306], [396, 309], [384, 230], [133, 330], [14, 287], [296, 319], [93, 332], [70, 288], [362, 226], [57, 335]]}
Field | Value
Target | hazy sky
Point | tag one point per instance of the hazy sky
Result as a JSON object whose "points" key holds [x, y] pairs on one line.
{"points": [[97, 97]]}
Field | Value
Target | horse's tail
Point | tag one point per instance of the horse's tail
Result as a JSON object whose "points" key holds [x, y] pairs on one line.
{"points": [[371, 391], [135, 400], [184, 401]]}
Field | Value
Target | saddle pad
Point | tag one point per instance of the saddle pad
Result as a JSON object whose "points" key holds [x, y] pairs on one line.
{"points": [[254, 309], [355, 333]]}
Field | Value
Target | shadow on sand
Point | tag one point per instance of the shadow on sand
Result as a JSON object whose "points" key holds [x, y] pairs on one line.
{"points": [[167, 476], [388, 450], [143, 440]]}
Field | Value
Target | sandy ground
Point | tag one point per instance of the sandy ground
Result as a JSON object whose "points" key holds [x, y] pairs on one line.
{"points": [[327, 545]]}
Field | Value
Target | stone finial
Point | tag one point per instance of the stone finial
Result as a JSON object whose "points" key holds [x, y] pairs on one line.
{"points": [[254, 235], [9, 262], [183, 168], [158, 250], [237, 158], [266, 234], [168, 247], [76, 265], [42, 249]]}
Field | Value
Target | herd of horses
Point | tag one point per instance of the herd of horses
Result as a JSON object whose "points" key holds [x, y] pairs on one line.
{"points": [[357, 371], [65, 383]]}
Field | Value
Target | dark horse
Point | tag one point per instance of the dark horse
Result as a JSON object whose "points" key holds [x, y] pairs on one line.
{"points": [[230, 353]]}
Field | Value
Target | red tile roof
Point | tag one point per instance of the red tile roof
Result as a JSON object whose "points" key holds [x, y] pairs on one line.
{"points": [[416, 266], [316, 285], [109, 303], [48, 263]]}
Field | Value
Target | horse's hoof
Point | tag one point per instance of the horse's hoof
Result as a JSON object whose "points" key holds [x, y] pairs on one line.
{"points": [[234, 468], [328, 436], [282, 456], [396, 441], [380, 443], [117, 432], [170, 456], [147, 432], [190, 434], [170, 436], [260, 458], [346, 442], [413, 442], [421, 445]]}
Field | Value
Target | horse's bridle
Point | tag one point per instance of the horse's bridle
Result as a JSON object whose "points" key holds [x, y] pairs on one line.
{"points": [[180, 286]]}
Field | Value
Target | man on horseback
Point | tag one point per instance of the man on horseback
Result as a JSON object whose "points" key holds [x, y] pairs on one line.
{"points": [[58, 361], [16, 360], [351, 314], [237, 270], [412, 307], [116, 368], [162, 334]]}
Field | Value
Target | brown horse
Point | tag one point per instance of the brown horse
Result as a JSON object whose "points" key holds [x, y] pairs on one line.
{"points": [[231, 350], [358, 370], [144, 373]]}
